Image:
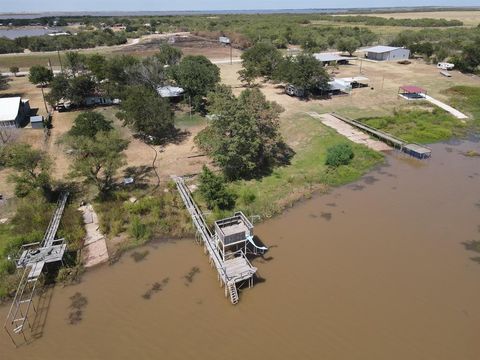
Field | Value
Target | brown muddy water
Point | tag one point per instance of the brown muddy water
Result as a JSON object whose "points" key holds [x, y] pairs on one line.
{"points": [[373, 270]]}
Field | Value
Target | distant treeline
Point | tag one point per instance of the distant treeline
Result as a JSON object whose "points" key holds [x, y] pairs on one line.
{"points": [[461, 46], [82, 40], [382, 21], [43, 21]]}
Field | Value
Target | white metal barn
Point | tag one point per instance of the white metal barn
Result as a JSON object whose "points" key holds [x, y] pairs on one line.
{"points": [[14, 112], [387, 53]]}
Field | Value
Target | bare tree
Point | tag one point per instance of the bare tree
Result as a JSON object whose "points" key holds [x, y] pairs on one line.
{"points": [[8, 135], [149, 72]]}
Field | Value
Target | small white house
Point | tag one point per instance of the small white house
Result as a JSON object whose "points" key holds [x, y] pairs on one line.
{"points": [[14, 112], [386, 53]]}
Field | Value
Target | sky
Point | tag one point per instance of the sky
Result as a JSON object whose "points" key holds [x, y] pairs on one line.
{"points": [[192, 5]]}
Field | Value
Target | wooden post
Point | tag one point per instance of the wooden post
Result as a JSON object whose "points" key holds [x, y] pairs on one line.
{"points": [[50, 65], [44, 102]]}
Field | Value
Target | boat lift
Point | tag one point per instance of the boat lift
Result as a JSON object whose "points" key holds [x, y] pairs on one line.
{"points": [[33, 258]]}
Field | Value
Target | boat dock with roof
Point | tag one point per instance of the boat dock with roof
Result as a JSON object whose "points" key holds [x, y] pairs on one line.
{"points": [[227, 247]]}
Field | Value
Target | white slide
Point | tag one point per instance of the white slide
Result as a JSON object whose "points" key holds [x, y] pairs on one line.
{"points": [[250, 240]]}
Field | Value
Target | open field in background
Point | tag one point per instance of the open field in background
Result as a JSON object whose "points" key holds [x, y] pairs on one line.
{"points": [[469, 18], [147, 45], [385, 33]]}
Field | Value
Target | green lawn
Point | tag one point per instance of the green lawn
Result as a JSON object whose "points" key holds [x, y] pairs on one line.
{"points": [[423, 126], [306, 173]]}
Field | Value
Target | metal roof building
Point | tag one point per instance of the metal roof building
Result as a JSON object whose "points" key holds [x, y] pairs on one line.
{"points": [[387, 53], [331, 57], [170, 91], [13, 111]]}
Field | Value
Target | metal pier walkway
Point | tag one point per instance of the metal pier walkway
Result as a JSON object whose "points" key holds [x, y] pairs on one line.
{"points": [[412, 149], [33, 258], [230, 271]]}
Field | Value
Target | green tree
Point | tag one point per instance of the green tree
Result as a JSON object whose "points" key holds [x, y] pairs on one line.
{"points": [[40, 75], [80, 88], [213, 190], [97, 159], [261, 59], [471, 55], [339, 154], [89, 124], [169, 55], [243, 137], [303, 71], [59, 89], [115, 69], [3, 82], [348, 44], [97, 64], [14, 70], [32, 168], [74, 61], [148, 114], [197, 76], [247, 75]]}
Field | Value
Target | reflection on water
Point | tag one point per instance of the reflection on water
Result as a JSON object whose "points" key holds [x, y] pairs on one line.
{"points": [[381, 273]]}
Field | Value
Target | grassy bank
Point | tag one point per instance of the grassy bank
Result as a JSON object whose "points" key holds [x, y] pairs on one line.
{"points": [[306, 174], [132, 218], [428, 126]]}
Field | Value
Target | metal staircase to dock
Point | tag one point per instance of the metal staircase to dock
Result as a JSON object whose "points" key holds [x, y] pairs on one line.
{"points": [[232, 290], [33, 258]]}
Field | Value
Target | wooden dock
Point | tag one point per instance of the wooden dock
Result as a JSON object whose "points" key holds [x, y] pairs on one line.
{"points": [[412, 149]]}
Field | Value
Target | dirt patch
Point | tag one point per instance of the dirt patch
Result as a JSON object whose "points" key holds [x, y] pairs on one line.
{"points": [[189, 44]]}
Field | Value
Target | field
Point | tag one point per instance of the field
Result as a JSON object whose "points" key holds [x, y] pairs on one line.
{"points": [[469, 18], [145, 46]]}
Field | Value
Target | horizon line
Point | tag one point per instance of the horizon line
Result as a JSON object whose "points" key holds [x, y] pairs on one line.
{"points": [[466, 7]]}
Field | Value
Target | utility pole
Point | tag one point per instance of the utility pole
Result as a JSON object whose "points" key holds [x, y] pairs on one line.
{"points": [[50, 65], [44, 102], [60, 60], [361, 63], [231, 58]]}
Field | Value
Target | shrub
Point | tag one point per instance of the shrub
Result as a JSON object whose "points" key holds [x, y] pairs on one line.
{"points": [[247, 196], [213, 190], [339, 154], [138, 230]]}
